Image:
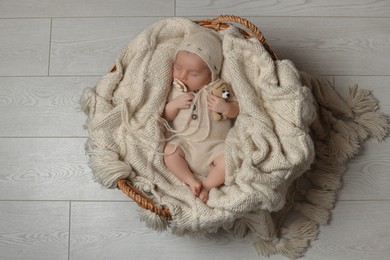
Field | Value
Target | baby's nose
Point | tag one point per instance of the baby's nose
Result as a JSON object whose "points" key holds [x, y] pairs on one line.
{"points": [[183, 75]]}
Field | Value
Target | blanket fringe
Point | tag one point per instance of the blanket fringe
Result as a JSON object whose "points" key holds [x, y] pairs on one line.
{"points": [[318, 214], [88, 100], [153, 221], [240, 228], [325, 180], [264, 247], [376, 124], [319, 197], [342, 147], [365, 106], [361, 100], [293, 240], [107, 167]]}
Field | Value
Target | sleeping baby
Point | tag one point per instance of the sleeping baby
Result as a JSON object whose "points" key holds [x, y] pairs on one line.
{"points": [[198, 140]]}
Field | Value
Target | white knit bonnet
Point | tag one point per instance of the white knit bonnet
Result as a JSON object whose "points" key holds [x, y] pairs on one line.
{"points": [[208, 46]]}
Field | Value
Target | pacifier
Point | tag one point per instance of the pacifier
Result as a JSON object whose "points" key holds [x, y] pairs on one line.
{"points": [[179, 85]]}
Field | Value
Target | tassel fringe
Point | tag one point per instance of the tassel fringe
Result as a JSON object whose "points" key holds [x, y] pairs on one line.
{"points": [[341, 148], [320, 198], [293, 240], [364, 105], [318, 214], [361, 100], [240, 228], [264, 247], [108, 168], [326, 181], [88, 101], [153, 221], [302, 228], [359, 131], [375, 123]]}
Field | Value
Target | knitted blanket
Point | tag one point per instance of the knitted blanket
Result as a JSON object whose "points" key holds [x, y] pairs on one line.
{"points": [[290, 123]]}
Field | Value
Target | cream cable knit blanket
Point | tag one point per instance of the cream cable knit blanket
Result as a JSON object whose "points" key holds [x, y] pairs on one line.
{"points": [[268, 148]]}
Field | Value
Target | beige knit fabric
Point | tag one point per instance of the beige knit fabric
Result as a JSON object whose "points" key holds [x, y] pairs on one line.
{"points": [[286, 121]]}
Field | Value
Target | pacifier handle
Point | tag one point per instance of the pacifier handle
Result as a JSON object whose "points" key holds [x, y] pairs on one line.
{"points": [[179, 85]]}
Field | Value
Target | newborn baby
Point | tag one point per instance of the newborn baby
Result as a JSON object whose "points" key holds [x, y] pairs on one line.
{"points": [[198, 143]]}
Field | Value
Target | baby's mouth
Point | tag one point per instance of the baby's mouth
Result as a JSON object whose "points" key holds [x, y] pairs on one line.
{"points": [[179, 85]]}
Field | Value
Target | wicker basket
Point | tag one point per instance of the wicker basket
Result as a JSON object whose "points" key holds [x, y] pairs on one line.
{"points": [[217, 24]]}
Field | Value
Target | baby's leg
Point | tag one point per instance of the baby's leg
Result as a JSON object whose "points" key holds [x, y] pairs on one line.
{"points": [[178, 166], [215, 178]]}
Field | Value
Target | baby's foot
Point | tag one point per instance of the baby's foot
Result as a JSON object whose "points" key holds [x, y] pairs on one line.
{"points": [[204, 194], [195, 186]]}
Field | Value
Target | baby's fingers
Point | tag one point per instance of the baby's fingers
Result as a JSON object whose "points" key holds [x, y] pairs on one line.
{"points": [[211, 105], [189, 96], [186, 100], [188, 104], [211, 98]]}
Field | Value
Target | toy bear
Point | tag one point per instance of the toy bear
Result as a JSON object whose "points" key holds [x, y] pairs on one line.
{"points": [[221, 89]]}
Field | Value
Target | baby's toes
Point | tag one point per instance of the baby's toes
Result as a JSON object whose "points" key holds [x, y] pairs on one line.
{"points": [[196, 188], [204, 195]]}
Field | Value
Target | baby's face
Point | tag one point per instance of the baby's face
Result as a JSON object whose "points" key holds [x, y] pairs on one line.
{"points": [[190, 69]]}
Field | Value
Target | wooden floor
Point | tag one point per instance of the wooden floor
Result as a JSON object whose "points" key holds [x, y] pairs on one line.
{"points": [[50, 208]]}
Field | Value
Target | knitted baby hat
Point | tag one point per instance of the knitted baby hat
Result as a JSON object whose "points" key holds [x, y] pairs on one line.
{"points": [[208, 46]]}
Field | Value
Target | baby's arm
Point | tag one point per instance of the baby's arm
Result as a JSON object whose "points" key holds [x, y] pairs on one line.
{"points": [[233, 109], [180, 102]]}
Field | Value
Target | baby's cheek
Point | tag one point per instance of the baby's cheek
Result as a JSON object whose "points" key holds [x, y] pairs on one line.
{"points": [[174, 73]]}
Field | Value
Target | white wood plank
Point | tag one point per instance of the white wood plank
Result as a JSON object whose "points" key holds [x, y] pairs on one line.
{"points": [[42, 106], [319, 45], [34, 230], [112, 230], [83, 46], [358, 230], [368, 175], [330, 46], [85, 8], [361, 8], [48, 169], [24, 47]]}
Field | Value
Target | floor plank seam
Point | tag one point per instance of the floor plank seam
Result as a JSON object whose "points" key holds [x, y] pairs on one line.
{"points": [[69, 230], [50, 41]]}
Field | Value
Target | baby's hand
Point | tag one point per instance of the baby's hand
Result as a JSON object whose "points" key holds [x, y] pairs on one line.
{"points": [[217, 104], [183, 101]]}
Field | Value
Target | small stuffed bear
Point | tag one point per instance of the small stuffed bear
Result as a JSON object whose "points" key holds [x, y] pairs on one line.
{"points": [[221, 89]]}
